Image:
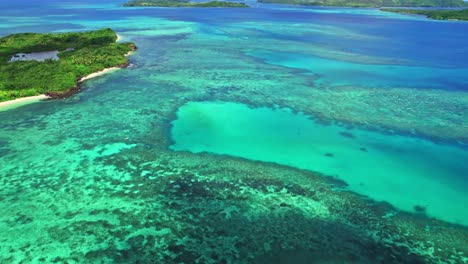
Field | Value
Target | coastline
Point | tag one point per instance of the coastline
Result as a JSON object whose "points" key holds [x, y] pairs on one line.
{"points": [[7, 105], [106, 70], [99, 73], [458, 15], [11, 104], [71, 91]]}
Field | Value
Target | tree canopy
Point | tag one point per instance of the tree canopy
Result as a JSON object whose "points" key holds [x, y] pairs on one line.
{"points": [[434, 14], [81, 53], [372, 3]]}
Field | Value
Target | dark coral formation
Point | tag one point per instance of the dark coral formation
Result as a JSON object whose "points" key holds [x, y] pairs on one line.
{"points": [[186, 208]]}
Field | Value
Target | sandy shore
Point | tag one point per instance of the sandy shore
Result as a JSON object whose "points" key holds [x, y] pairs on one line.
{"points": [[106, 70], [96, 74], [21, 101], [7, 105], [32, 99], [129, 53]]}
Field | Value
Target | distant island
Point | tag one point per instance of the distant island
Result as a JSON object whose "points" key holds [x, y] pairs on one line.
{"points": [[371, 3], [183, 3], [434, 14], [53, 64]]}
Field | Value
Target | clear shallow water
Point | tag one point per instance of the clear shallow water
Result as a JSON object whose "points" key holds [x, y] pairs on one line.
{"points": [[93, 179], [384, 167]]}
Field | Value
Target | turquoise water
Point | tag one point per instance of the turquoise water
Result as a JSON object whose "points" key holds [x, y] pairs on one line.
{"points": [[342, 73], [366, 166], [374, 164]]}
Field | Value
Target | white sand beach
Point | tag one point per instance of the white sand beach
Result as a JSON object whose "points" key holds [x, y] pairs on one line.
{"points": [[106, 70], [21, 101], [129, 53], [96, 74], [40, 56], [7, 105]]}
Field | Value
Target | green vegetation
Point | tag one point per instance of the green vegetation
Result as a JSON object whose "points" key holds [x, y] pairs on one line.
{"points": [[371, 3], [184, 3], [92, 52], [434, 14]]}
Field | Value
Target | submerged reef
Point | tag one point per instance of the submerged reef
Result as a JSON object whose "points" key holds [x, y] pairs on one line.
{"points": [[97, 182], [435, 114], [133, 200], [183, 208]]}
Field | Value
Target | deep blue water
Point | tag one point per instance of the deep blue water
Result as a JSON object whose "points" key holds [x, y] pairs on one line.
{"points": [[423, 41]]}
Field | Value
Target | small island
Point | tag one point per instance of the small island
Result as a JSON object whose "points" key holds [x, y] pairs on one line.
{"points": [[183, 3], [434, 14], [370, 3], [52, 65]]}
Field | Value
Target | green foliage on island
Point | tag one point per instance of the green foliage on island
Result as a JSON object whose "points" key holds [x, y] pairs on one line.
{"points": [[434, 14], [183, 3], [92, 52], [371, 3]]}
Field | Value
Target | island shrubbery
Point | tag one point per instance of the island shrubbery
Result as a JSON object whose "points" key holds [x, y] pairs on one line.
{"points": [[87, 52], [372, 3], [183, 3], [434, 14]]}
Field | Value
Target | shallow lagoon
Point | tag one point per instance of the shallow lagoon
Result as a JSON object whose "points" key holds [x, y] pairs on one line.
{"points": [[93, 178], [405, 172]]}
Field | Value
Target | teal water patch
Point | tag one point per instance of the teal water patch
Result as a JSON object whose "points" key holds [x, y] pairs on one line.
{"points": [[343, 73], [412, 174]]}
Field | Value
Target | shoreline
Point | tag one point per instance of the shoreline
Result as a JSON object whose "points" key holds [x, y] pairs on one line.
{"points": [[97, 74], [12, 104], [15, 103], [76, 89], [105, 70]]}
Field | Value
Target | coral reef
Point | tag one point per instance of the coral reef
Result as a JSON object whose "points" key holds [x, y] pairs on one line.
{"points": [[91, 178]]}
